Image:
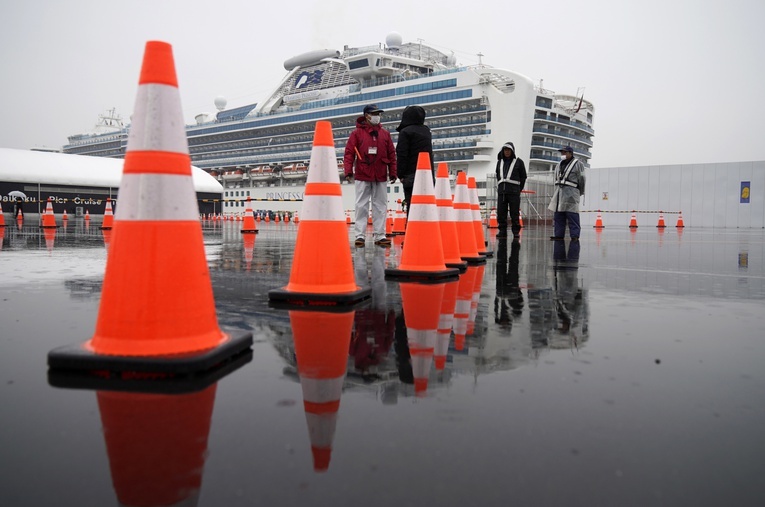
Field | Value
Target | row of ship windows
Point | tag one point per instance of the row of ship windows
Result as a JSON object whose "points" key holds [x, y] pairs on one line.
{"points": [[368, 97], [288, 144]]}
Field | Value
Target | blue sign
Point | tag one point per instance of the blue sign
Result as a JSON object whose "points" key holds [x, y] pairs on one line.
{"points": [[308, 78], [745, 192]]}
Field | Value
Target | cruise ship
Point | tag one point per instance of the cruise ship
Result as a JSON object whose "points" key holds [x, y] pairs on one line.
{"points": [[262, 150]]}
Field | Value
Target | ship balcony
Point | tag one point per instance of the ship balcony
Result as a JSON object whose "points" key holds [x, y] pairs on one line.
{"points": [[563, 135], [560, 121], [558, 146]]}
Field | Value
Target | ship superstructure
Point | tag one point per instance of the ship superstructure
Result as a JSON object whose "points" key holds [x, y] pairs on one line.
{"points": [[262, 150]]}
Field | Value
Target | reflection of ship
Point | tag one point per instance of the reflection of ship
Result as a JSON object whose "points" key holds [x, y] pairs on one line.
{"points": [[255, 150]]}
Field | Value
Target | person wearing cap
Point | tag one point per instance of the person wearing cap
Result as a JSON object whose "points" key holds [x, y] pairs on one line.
{"points": [[370, 160], [511, 178], [569, 187], [414, 137]]}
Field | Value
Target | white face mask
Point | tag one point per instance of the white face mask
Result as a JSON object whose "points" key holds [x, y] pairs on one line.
{"points": [[374, 120]]}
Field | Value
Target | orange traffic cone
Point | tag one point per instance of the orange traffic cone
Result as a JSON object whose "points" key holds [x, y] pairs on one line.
{"points": [[248, 224], [633, 221], [156, 444], [475, 208], [157, 311], [422, 307], [661, 223], [447, 220], [423, 254], [322, 341], [348, 217], [465, 229], [48, 218], [108, 215], [399, 223], [322, 269], [598, 221], [462, 305], [445, 323], [680, 222], [296, 218], [493, 224]]}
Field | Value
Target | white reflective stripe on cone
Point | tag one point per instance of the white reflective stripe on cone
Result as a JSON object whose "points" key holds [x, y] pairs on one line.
{"points": [[323, 165], [157, 197], [322, 207], [445, 321], [321, 429], [462, 309], [322, 390], [157, 128], [423, 213], [423, 183], [421, 338]]}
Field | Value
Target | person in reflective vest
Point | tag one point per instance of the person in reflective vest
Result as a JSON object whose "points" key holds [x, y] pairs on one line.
{"points": [[569, 188], [511, 178]]}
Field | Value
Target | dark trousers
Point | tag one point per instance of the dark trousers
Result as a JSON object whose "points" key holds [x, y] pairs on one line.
{"points": [[509, 204], [560, 218], [408, 198]]}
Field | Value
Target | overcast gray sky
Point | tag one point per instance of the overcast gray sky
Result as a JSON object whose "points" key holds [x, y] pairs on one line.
{"points": [[672, 81]]}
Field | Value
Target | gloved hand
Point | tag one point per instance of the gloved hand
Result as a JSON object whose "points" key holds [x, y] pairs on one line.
{"points": [[349, 177], [392, 180]]}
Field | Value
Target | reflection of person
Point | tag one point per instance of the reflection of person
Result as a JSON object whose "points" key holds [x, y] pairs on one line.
{"points": [[370, 159], [401, 346], [509, 297], [373, 325], [511, 178], [569, 187], [414, 138], [568, 295], [18, 209]]}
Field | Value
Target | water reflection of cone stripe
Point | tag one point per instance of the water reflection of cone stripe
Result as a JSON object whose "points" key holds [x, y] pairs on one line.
{"points": [[422, 307], [157, 299], [322, 269], [445, 323], [2, 222], [447, 220]]}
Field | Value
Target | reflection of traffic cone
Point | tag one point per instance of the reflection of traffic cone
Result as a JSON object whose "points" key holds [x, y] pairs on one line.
{"points": [[108, 215], [157, 310], [493, 224], [249, 248], [680, 222], [598, 234], [465, 229], [48, 218], [296, 218], [422, 307], [157, 444], [661, 223], [2, 220], [399, 222], [445, 322], [248, 224], [633, 221], [107, 234], [462, 306], [321, 341], [475, 208], [65, 217], [423, 255], [598, 221], [87, 216], [520, 219], [322, 269], [50, 238], [447, 220], [474, 299], [389, 224]]}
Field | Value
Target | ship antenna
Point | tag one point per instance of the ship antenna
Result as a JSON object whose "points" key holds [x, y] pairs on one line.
{"points": [[420, 41], [480, 62]]}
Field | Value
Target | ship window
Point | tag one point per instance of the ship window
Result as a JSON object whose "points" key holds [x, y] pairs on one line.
{"points": [[357, 64]]}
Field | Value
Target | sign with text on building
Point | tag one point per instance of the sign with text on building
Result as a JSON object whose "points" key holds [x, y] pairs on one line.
{"points": [[745, 192]]}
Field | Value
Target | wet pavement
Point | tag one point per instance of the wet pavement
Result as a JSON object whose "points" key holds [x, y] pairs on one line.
{"points": [[621, 370]]}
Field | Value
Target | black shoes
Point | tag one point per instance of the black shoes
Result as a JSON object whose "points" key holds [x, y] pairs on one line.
{"points": [[383, 242], [557, 238], [359, 242]]}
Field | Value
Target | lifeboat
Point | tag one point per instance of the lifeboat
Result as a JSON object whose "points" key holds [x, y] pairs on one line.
{"points": [[294, 171], [233, 175], [262, 173]]}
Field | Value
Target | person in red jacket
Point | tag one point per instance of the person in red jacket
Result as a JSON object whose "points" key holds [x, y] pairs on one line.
{"points": [[370, 159]]}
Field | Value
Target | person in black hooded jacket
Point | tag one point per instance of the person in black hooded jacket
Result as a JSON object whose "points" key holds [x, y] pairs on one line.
{"points": [[414, 137], [511, 178]]}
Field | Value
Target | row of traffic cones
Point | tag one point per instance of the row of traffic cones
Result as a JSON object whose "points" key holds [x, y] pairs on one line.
{"points": [[633, 221]]}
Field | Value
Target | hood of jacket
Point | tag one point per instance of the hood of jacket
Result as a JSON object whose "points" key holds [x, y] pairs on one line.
{"points": [[412, 115], [500, 155]]}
